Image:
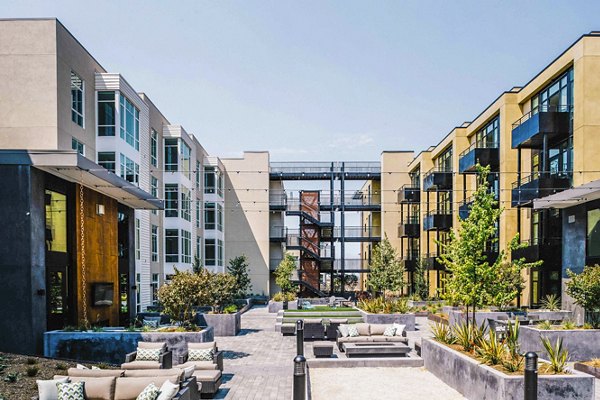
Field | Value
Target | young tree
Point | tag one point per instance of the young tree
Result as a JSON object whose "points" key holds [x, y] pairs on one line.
{"points": [[420, 288], [215, 289], [386, 270], [238, 268], [179, 297], [584, 288], [283, 274]]}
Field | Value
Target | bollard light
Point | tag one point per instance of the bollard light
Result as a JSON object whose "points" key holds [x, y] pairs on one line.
{"points": [[531, 361], [299, 325], [531, 376], [300, 337], [299, 377], [299, 365]]}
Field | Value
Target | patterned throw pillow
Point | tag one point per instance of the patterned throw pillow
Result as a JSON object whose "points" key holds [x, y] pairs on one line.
{"points": [[70, 391], [150, 323], [201, 355], [343, 330], [352, 331], [147, 354], [399, 328], [389, 331], [150, 392]]}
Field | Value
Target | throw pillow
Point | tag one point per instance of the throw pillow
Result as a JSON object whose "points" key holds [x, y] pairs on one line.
{"points": [[389, 331], [399, 328], [81, 366], [47, 390], [343, 328], [201, 355], [188, 372], [352, 331], [168, 390], [150, 323], [147, 354], [70, 391], [150, 392]]}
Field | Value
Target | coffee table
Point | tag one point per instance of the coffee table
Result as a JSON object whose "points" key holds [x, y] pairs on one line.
{"points": [[386, 349]]}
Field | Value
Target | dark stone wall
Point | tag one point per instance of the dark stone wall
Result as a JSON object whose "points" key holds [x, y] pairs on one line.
{"points": [[22, 259], [574, 239]]}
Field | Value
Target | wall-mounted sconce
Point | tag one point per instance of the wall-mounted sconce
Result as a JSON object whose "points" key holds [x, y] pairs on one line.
{"points": [[100, 209]]}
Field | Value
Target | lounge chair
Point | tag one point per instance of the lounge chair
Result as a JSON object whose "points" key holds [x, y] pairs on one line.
{"points": [[164, 360], [332, 327], [314, 329]]}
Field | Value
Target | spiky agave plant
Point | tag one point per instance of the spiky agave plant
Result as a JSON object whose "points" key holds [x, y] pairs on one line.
{"points": [[442, 333], [491, 350], [557, 355]]}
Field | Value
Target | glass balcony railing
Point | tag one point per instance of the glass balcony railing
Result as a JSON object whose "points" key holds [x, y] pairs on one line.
{"points": [[437, 180], [409, 194], [551, 121], [484, 154], [538, 185], [440, 220]]}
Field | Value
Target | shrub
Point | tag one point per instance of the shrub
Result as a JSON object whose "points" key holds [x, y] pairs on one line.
{"points": [[490, 350], [61, 366], [380, 305], [557, 356], [283, 273], [32, 371], [584, 288], [278, 296], [179, 297], [544, 325], [12, 377], [230, 309], [551, 302], [31, 361], [443, 333], [568, 324]]}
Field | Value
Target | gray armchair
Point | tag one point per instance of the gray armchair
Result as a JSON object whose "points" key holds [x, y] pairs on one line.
{"points": [[314, 329], [165, 358], [215, 364]]}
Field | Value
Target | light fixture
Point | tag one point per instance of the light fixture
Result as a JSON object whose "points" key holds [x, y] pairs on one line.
{"points": [[100, 209]]}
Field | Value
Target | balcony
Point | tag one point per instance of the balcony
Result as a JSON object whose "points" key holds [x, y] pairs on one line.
{"points": [[410, 227], [433, 263], [529, 131], [464, 209], [437, 180], [411, 260], [535, 186], [409, 194], [482, 154], [548, 250], [437, 221]]}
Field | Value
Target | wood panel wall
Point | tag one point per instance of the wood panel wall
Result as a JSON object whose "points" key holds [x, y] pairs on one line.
{"points": [[101, 254]]}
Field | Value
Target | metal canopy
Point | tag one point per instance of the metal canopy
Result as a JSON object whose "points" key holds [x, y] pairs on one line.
{"points": [[570, 197], [73, 167]]}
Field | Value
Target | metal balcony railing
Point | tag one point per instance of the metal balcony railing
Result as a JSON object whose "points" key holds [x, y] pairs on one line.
{"points": [[541, 109]]}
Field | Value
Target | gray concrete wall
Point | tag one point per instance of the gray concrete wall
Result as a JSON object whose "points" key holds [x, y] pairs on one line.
{"points": [[223, 324], [573, 253], [405, 319], [582, 344], [478, 382]]}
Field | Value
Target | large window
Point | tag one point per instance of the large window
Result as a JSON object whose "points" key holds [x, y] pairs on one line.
{"points": [[154, 285], [197, 214], [186, 247], [106, 114], [107, 160], [171, 200], [154, 190], [186, 211], [186, 154], [444, 161], [171, 245], [557, 96], [138, 254], [220, 217], [130, 170], [154, 148], [171, 155], [210, 216], [138, 292], [210, 252], [77, 99], [77, 145], [593, 233], [210, 180], [198, 174], [130, 123], [154, 243], [56, 222], [219, 252], [488, 136], [199, 248]]}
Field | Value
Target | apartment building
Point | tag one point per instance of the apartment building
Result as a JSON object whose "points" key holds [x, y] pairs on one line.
{"points": [[103, 157], [538, 140]]}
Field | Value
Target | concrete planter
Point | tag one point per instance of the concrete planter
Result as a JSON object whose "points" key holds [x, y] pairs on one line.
{"points": [[582, 344], [424, 303], [545, 315], [588, 369], [476, 381], [224, 324], [275, 306], [437, 319], [456, 317], [405, 319], [111, 346]]}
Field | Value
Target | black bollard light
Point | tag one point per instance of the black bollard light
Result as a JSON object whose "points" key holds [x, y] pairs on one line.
{"points": [[531, 376], [299, 377], [300, 337]]}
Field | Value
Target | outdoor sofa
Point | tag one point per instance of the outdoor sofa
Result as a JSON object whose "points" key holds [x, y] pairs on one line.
{"points": [[369, 333]]}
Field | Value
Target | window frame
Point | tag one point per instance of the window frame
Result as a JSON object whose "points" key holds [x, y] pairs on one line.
{"points": [[78, 114]]}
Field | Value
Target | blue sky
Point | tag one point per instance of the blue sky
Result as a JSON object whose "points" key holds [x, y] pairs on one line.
{"points": [[320, 80]]}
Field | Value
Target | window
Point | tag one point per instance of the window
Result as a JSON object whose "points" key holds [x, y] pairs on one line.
{"points": [[138, 254], [154, 286], [186, 212], [220, 217], [444, 161], [415, 178], [557, 96], [219, 252], [154, 243], [154, 190], [186, 247], [77, 96], [107, 160], [171, 155], [220, 184], [106, 114], [199, 248], [488, 136], [186, 165], [593, 233], [56, 222], [210, 218], [130, 170], [209, 180], [171, 200], [153, 148], [197, 214], [130, 123], [197, 174], [77, 145], [138, 293], [210, 252], [171, 245]]}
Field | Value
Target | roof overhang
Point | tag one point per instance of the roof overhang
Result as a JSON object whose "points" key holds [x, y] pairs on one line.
{"points": [[570, 197], [73, 167]]}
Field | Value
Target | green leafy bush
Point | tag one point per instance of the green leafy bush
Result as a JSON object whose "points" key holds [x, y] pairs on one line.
{"points": [[584, 288], [230, 309], [238, 268], [180, 296], [32, 370], [12, 377]]}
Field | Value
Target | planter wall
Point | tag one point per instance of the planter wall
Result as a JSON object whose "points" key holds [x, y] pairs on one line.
{"points": [[223, 324], [582, 344], [275, 306], [112, 346], [588, 369], [476, 381], [560, 315], [456, 317], [405, 319], [415, 303], [437, 319]]}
